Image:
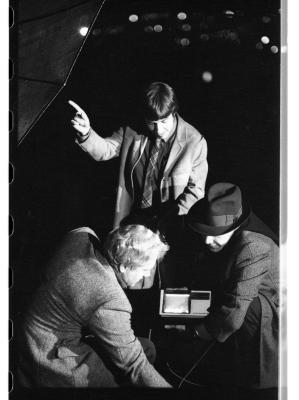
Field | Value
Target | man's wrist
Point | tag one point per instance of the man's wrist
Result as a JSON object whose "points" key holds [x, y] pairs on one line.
{"points": [[82, 138]]}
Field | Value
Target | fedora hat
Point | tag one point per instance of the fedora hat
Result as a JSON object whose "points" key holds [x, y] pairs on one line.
{"points": [[221, 211]]}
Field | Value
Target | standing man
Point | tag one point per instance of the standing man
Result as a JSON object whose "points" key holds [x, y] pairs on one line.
{"points": [[77, 331], [236, 256], [163, 161]]}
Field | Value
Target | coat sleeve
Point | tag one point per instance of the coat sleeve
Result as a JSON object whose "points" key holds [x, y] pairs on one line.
{"points": [[111, 324], [102, 149], [242, 287], [195, 189]]}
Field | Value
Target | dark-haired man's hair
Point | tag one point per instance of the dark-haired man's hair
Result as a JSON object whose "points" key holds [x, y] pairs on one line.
{"points": [[159, 101]]}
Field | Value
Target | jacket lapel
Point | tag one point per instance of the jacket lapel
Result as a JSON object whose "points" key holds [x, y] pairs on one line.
{"points": [[177, 145], [136, 150]]}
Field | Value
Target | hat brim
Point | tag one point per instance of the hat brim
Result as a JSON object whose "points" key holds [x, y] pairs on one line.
{"points": [[209, 230]]}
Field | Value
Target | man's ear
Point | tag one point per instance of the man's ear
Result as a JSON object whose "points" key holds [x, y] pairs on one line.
{"points": [[122, 268]]}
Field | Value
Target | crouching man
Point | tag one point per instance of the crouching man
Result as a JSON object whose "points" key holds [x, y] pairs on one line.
{"points": [[236, 256], [77, 331]]}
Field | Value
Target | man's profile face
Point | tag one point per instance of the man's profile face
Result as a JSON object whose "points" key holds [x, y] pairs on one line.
{"points": [[162, 127], [132, 276], [216, 243]]}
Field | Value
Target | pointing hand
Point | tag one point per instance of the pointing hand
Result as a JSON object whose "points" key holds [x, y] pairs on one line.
{"points": [[80, 121]]}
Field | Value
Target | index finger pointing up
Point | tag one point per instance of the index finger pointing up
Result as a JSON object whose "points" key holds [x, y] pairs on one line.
{"points": [[77, 108]]}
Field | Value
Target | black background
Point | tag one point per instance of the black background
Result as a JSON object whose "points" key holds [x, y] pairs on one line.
{"points": [[57, 187]]}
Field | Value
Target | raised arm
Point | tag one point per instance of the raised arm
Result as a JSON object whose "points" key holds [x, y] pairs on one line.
{"points": [[100, 149]]}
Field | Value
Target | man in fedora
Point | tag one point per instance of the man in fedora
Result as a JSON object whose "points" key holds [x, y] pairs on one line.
{"points": [[235, 255]]}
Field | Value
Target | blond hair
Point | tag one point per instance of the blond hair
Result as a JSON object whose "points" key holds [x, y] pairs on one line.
{"points": [[133, 245]]}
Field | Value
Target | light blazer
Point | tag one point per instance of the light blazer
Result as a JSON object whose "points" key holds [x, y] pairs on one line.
{"points": [[81, 292], [184, 175]]}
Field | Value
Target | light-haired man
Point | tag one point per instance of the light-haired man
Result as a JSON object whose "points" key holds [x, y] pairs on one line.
{"points": [[77, 331]]}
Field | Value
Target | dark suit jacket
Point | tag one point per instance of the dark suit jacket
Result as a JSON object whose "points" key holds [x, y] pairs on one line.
{"points": [[80, 295]]}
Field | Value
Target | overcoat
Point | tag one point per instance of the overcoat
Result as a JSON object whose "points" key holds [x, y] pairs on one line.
{"points": [[80, 297], [184, 175]]}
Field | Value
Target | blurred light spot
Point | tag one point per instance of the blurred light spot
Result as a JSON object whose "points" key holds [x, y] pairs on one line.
{"points": [[133, 18], [158, 28], [182, 16], [229, 13], [205, 37], [148, 29], [83, 31], [274, 49], [96, 31], [207, 76], [265, 39], [114, 30], [266, 19], [186, 27], [259, 46], [284, 49], [185, 42]]}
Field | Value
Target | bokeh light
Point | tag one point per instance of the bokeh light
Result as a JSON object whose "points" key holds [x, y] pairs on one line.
{"points": [[182, 16], [259, 46], [274, 49], [148, 29], [207, 76], [265, 40], [266, 19], [158, 28], [229, 13], [96, 31], [204, 37], [185, 42], [186, 27], [133, 18], [83, 31]]}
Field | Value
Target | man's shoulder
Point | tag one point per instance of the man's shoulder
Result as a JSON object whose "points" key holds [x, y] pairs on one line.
{"points": [[81, 270], [77, 252], [250, 243]]}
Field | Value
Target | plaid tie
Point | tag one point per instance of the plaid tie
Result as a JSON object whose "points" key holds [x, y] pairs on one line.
{"points": [[147, 196]]}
